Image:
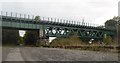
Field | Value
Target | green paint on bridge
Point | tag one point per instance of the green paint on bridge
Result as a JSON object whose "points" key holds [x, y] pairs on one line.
{"points": [[56, 28]]}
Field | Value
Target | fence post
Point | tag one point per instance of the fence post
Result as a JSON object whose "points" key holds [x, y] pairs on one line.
{"points": [[1, 13], [6, 13], [11, 14]]}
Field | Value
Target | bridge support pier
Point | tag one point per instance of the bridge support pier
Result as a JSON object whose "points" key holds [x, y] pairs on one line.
{"points": [[42, 40]]}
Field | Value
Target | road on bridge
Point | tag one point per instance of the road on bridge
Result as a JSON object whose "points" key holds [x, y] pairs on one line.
{"points": [[54, 54]]}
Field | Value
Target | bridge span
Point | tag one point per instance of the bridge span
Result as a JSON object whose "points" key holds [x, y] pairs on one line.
{"points": [[49, 27]]}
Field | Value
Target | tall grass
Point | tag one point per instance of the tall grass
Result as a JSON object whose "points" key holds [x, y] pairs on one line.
{"points": [[69, 41]]}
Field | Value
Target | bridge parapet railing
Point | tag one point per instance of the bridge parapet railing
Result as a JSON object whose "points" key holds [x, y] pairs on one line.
{"points": [[51, 20], [70, 22], [17, 15], [63, 21]]}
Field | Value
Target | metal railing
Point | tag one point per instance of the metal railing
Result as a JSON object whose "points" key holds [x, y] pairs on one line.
{"points": [[25, 16]]}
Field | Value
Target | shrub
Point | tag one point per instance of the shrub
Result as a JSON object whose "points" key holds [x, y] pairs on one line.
{"points": [[21, 41], [107, 40], [69, 41]]}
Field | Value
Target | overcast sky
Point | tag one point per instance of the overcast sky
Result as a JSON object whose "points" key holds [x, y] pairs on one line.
{"points": [[93, 11]]}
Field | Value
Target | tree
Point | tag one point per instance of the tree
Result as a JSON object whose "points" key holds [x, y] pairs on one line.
{"points": [[37, 18], [30, 38], [21, 40], [111, 23]]}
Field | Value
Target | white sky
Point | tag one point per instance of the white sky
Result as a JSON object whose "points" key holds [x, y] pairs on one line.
{"points": [[119, 9], [93, 11]]}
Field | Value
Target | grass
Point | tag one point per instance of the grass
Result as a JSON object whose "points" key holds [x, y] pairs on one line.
{"points": [[69, 41], [75, 43]]}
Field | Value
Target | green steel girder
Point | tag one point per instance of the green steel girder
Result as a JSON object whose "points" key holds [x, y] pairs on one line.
{"points": [[56, 31]]}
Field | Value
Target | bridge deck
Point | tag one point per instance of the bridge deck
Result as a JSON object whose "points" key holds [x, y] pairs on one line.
{"points": [[57, 28]]}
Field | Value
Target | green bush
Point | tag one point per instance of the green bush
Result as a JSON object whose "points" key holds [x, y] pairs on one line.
{"points": [[21, 41], [107, 40]]}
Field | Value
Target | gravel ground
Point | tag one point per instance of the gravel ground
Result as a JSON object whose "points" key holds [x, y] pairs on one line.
{"points": [[55, 54], [5, 52]]}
